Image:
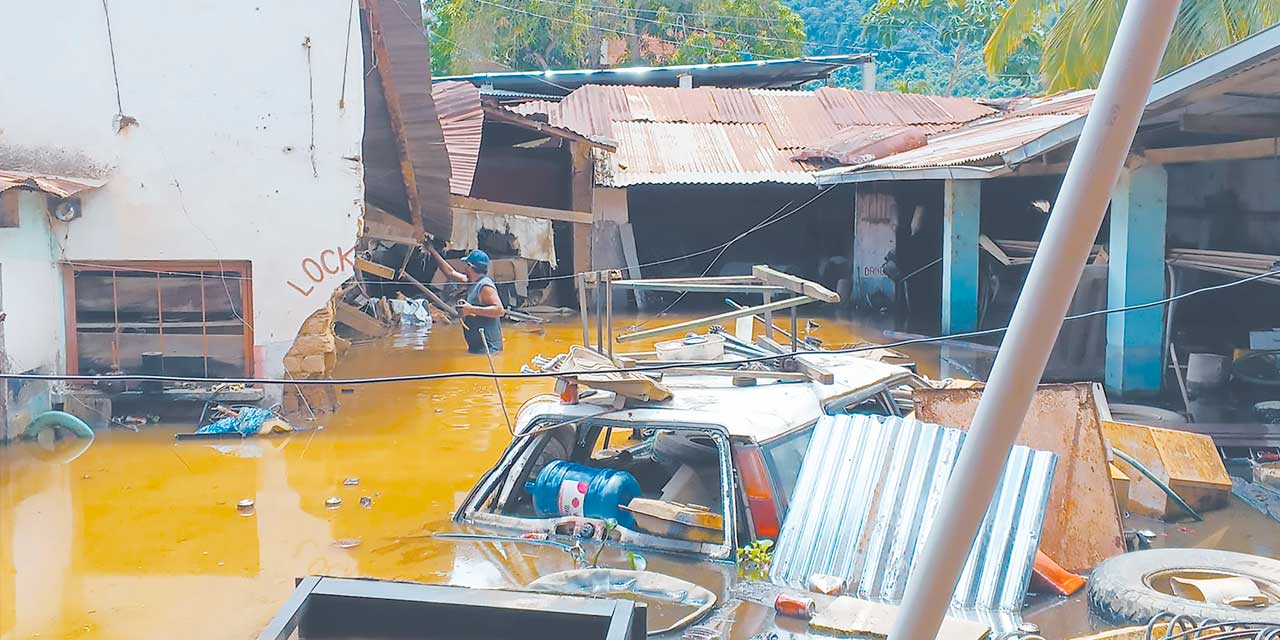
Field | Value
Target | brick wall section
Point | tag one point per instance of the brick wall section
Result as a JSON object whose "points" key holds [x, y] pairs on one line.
{"points": [[314, 355]]}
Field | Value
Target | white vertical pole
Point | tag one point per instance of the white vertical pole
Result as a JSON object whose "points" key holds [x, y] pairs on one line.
{"points": [[1100, 154]]}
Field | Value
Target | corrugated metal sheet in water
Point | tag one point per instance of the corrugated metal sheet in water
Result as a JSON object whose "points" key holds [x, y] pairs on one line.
{"points": [[867, 495], [974, 143], [462, 122]]}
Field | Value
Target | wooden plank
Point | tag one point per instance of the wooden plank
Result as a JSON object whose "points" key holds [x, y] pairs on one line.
{"points": [[632, 257], [515, 119], [431, 296], [718, 318], [580, 196], [810, 370], [380, 225], [1247, 149], [376, 269], [739, 373], [644, 285], [994, 249], [358, 320], [1260, 126], [846, 616], [792, 283], [476, 205]]}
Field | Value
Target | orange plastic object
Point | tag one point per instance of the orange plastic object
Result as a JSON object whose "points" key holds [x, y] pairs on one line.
{"points": [[1047, 573]]}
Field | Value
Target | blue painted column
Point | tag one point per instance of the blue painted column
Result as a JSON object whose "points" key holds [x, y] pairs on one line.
{"points": [[1135, 275], [960, 218]]}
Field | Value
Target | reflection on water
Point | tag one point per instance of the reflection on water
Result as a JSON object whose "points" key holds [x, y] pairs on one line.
{"points": [[138, 537]]}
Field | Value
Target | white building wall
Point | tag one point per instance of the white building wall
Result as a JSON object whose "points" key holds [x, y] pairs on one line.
{"points": [[228, 103], [31, 290]]}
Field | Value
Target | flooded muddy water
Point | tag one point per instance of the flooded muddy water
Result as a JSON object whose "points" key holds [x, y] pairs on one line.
{"points": [[140, 536]]}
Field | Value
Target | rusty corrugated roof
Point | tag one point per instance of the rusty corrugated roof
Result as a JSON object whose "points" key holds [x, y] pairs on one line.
{"points": [[462, 121], [61, 186], [974, 144], [711, 135], [979, 142]]}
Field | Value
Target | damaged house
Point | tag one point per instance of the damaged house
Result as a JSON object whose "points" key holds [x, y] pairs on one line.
{"points": [[182, 191]]}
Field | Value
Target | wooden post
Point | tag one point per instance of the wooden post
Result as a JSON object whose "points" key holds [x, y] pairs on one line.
{"points": [[581, 182]]}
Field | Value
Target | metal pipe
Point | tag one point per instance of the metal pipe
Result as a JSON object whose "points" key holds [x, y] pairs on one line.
{"points": [[582, 309], [595, 293], [794, 331], [608, 314], [1055, 272]]}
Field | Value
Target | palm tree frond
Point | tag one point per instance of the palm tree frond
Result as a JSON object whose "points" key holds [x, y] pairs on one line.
{"points": [[1018, 21]]}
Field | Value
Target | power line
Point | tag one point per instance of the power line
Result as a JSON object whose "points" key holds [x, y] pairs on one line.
{"points": [[424, 377], [707, 47], [844, 48]]}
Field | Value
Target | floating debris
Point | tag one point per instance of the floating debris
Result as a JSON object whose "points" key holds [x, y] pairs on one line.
{"points": [[333, 503], [351, 482], [346, 543], [366, 502], [245, 507]]}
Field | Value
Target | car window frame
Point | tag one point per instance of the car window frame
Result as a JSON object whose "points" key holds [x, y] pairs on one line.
{"points": [[495, 477]]}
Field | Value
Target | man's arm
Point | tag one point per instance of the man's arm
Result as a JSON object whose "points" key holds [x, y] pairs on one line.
{"points": [[449, 271], [490, 305]]}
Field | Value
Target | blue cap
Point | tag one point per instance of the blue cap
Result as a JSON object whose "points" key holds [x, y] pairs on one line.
{"points": [[478, 259]]}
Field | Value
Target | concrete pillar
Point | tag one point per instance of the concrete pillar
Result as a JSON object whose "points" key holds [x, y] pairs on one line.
{"points": [[960, 217], [1136, 274]]}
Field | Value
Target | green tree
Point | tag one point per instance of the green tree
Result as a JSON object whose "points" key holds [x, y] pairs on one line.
{"points": [[472, 35], [951, 34], [1080, 33]]}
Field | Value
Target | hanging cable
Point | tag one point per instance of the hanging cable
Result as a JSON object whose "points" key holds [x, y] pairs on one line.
{"points": [[423, 377]]}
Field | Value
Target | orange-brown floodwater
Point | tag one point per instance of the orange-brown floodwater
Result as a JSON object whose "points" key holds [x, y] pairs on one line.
{"points": [[139, 536]]}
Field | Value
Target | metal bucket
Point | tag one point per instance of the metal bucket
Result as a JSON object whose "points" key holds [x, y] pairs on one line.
{"points": [[1207, 371]]}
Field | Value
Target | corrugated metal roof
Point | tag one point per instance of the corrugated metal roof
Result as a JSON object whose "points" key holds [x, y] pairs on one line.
{"points": [[866, 498], [710, 135], [60, 186], [462, 121], [973, 144]]}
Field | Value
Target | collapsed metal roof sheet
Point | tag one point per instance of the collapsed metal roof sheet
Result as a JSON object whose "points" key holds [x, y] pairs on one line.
{"points": [[973, 144], [60, 186], [867, 495], [712, 135], [406, 164], [462, 122]]}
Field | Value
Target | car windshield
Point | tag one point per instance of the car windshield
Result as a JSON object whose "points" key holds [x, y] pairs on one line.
{"points": [[656, 484]]}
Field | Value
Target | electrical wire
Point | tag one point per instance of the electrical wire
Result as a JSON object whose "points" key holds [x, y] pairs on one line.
{"points": [[423, 377], [707, 47], [596, 9]]}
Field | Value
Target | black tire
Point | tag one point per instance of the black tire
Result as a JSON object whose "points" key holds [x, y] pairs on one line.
{"points": [[684, 447], [1118, 589]]}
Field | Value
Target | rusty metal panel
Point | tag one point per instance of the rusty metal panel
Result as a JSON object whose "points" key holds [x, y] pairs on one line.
{"points": [[735, 105], [462, 122], [1082, 526], [866, 498], [1188, 462], [795, 118], [974, 143], [685, 153], [60, 186], [398, 61]]}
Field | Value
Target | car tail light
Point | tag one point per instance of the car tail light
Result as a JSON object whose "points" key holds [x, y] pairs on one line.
{"points": [[759, 491]]}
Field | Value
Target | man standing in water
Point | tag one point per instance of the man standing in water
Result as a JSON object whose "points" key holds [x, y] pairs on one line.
{"points": [[481, 309]]}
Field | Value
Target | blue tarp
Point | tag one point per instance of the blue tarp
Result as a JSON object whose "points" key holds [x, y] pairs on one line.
{"points": [[248, 423]]}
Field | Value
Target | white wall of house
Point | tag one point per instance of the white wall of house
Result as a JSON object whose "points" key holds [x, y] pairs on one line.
{"points": [[228, 103], [31, 290]]}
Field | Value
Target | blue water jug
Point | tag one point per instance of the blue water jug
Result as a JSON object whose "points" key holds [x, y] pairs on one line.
{"points": [[564, 488]]}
